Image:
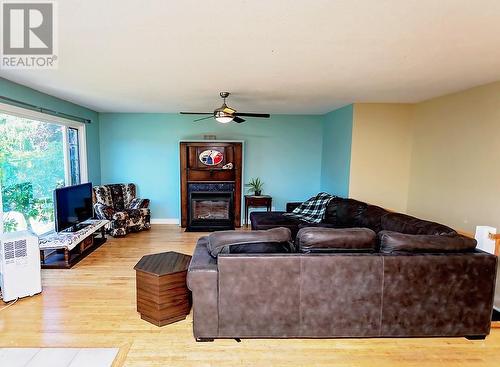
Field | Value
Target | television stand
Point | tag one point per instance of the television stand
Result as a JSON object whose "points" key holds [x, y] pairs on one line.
{"points": [[77, 227], [64, 249]]}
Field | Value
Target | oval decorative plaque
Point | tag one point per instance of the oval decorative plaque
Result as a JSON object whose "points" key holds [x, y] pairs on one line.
{"points": [[211, 157]]}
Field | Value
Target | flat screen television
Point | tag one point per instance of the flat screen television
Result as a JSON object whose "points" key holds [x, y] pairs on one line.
{"points": [[73, 205]]}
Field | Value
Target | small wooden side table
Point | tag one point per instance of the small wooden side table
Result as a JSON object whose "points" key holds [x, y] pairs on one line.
{"points": [[257, 201], [162, 294]]}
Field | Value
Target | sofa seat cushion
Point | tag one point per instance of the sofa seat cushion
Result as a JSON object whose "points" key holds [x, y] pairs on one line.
{"points": [[395, 242], [271, 219], [268, 220], [262, 248], [317, 239], [397, 222], [276, 240], [315, 225]]}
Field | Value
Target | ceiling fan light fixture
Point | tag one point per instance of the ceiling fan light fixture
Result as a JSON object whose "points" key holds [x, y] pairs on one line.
{"points": [[225, 114], [223, 117]]}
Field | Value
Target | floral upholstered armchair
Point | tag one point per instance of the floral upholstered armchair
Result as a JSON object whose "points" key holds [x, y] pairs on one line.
{"points": [[119, 204]]}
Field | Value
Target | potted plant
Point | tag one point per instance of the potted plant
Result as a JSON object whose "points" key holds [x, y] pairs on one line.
{"points": [[255, 185]]}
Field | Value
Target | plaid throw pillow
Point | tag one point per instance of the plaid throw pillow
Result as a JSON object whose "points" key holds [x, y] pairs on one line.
{"points": [[312, 210]]}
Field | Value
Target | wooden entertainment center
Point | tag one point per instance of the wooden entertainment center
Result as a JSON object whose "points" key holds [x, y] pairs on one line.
{"points": [[211, 184]]}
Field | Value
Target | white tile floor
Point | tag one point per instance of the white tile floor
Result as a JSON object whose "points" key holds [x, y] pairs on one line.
{"points": [[57, 357]]}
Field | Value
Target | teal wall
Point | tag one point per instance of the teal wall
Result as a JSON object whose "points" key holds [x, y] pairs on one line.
{"points": [[284, 151], [295, 155], [336, 153], [28, 95]]}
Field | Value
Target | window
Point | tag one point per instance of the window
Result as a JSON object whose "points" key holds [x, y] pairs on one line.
{"points": [[38, 153], [74, 156]]}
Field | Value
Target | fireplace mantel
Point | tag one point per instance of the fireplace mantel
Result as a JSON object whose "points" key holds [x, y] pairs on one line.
{"points": [[216, 166]]}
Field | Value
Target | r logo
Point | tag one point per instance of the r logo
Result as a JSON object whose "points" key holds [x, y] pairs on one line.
{"points": [[28, 29]]}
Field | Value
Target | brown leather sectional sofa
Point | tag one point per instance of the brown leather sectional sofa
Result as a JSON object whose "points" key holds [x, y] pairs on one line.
{"points": [[399, 276]]}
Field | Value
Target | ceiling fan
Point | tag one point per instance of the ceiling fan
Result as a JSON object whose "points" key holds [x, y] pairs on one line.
{"points": [[225, 114]]}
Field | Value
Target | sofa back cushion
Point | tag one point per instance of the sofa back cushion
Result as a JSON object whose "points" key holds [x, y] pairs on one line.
{"points": [[321, 239], [395, 242], [344, 213], [117, 196], [372, 217], [397, 222], [275, 240], [103, 195], [129, 194]]}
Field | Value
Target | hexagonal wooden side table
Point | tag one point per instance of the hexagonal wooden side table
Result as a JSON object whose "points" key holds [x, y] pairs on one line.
{"points": [[162, 293]]}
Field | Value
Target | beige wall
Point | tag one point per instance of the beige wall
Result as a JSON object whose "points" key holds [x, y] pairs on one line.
{"points": [[380, 154], [455, 165]]}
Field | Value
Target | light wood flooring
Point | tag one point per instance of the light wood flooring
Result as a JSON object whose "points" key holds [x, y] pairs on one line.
{"points": [[93, 305]]}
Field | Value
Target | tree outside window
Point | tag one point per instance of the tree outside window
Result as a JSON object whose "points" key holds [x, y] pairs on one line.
{"points": [[32, 165]]}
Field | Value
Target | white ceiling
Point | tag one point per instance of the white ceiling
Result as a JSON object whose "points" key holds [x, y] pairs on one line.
{"points": [[276, 56]]}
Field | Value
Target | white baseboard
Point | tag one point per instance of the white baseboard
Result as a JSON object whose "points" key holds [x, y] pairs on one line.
{"points": [[164, 220]]}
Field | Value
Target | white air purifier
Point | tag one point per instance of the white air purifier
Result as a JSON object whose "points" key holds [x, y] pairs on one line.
{"points": [[20, 274]]}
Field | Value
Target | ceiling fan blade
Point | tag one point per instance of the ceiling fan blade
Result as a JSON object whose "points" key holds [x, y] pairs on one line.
{"points": [[238, 120], [203, 118], [196, 113], [229, 110], [265, 115]]}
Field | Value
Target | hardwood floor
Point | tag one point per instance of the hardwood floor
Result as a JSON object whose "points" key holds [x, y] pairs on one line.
{"points": [[93, 305]]}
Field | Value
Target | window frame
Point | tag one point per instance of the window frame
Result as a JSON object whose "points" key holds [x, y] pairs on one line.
{"points": [[67, 157], [65, 123]]}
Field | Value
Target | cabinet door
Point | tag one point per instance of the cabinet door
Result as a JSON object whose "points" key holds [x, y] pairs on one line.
{"points": [[205, 162], [209, 156]]}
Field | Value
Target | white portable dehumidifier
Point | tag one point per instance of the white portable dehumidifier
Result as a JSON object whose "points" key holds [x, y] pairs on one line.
{"points": [[20, 273]]}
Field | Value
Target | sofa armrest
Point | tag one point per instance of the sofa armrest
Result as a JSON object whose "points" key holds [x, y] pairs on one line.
{"points": [[202, 280], [291, 206], [138, 203], [201, 260]]}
